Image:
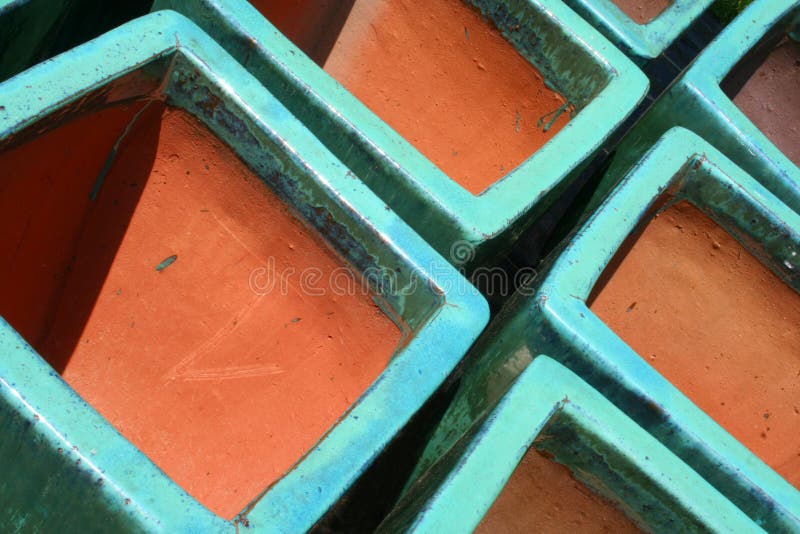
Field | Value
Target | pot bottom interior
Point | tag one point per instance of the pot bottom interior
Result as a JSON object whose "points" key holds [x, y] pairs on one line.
{"points": [[542, 496], [445, 79], [716, 323], [771, 98], [642, 11], [144, 279]]}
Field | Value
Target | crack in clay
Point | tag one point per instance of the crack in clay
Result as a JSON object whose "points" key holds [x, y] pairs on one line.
{"points": [[112, 155]]}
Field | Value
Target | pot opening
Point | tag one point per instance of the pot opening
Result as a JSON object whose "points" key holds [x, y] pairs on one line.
{"points": [[170, 288], [543, 493], [770, 96], [716, 322], [446, 79]]}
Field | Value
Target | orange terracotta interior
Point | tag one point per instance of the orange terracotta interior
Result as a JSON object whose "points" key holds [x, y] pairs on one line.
{"points": [[771, 99], [642, 11], [541, 496], [716, 323], [223, 387], [446, 80]]}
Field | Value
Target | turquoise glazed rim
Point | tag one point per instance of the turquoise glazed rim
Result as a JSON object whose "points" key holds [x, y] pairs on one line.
{"points": [[643, 42], [551, 317], [602, 84], [551, 409], [697, 101], [78, 470]]}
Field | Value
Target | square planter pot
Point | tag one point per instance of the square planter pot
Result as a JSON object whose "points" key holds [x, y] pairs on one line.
{"points": [[642, 40], [64, 462], [35, 30], [550, 409], [599, 81], [552, 316], [702, 100]]}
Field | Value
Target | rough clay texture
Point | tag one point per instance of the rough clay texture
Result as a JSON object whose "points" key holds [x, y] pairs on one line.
{"points": [[642, 11], [717, 324], [447, 81], [771, 98], [541, 496], [223, 387]]}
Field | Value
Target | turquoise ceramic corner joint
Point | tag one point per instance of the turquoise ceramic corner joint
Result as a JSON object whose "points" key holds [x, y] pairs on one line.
{"points": [[550, 409], [697, 101]]}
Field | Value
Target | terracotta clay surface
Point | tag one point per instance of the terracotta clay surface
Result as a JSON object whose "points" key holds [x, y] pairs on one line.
{"points": [[41, 217], [717, 324], [155, 323], [771, 98], [447, 81], [642, 11], [541, 496], [312, 25]]}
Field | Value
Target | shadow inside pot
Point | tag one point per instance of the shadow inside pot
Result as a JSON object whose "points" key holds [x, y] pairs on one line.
{"points": [[65, 203], [770, 96], [312, 25]]}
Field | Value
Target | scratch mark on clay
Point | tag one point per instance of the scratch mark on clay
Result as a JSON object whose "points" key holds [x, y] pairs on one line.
{"points": [[299, 292], [182, 370], [98, 183], [235, 237]]}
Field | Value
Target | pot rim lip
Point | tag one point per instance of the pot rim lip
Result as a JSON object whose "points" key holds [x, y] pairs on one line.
{"points": [[546, 391], [704, 77], [128, 482], [684, 167], [475, 218], [645, 41]]}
